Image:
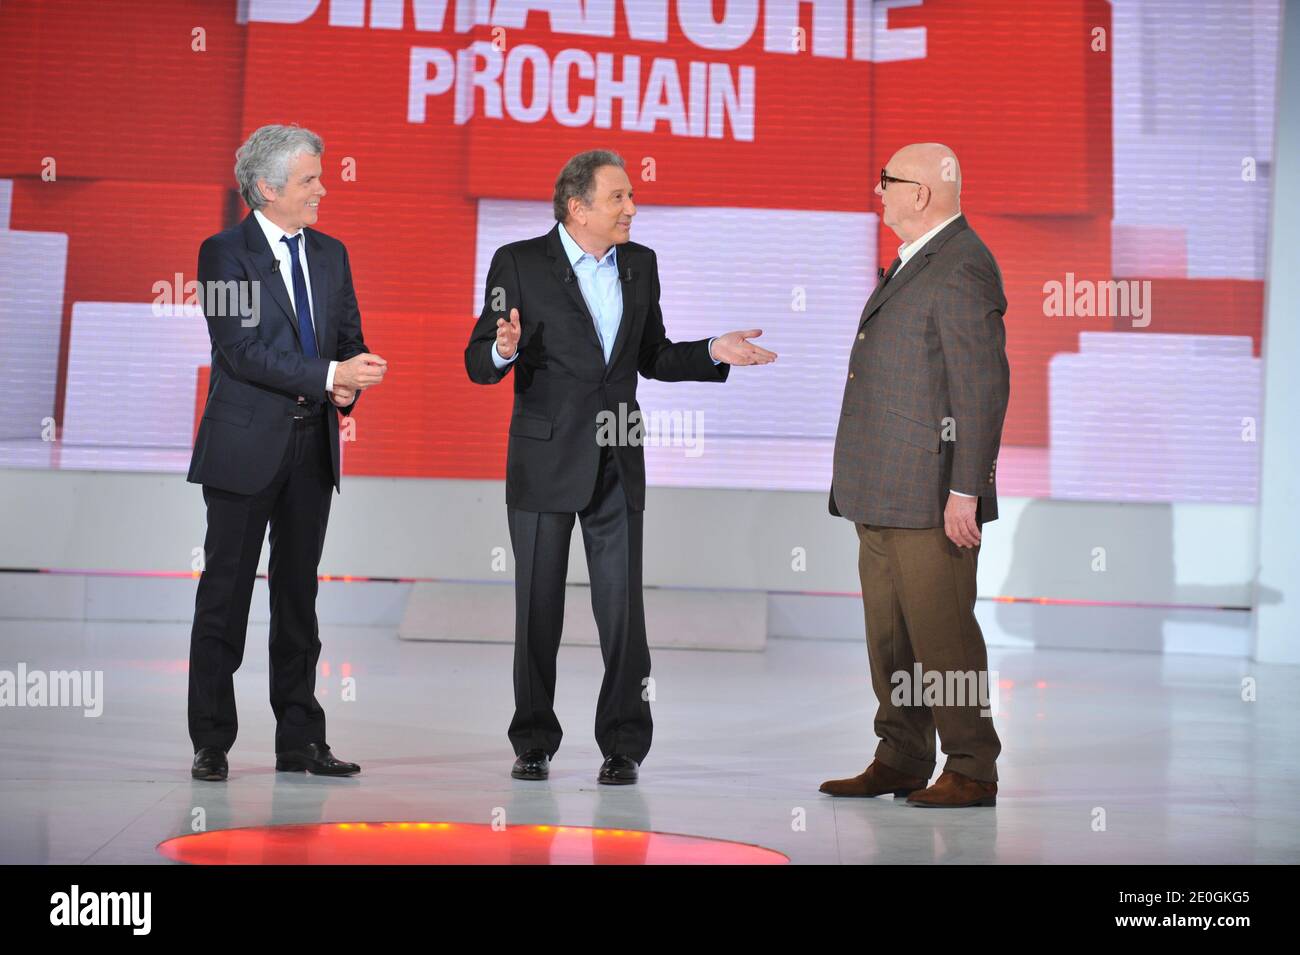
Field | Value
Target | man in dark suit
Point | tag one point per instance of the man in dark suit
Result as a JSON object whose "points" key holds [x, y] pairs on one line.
{"points": [[914, 469], [283, 370], [575, 313]]}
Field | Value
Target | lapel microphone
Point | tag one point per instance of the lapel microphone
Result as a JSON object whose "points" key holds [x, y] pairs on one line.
{"points": [[275, 264], [880, 273], [627, 275], [568, 276]]}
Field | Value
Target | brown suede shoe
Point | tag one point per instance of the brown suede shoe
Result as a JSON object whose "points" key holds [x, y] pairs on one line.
{"points": [[876, 780], [952, 790]]}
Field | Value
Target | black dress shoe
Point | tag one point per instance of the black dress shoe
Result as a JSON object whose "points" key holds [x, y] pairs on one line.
{"points": [[314, 758], [532, 764], [210, 764], [617, 770]]}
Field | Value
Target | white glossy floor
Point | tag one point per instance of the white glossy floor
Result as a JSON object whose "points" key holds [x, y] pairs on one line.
{"points": [[1161, 748]]}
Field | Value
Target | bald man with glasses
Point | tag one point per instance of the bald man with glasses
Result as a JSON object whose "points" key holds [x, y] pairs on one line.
{"points": [[915, 470]]}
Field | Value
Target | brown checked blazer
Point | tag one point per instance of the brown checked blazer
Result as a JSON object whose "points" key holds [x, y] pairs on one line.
{"points": [[927, 389]]}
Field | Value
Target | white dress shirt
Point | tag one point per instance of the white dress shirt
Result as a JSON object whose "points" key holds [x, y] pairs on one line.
{"points": [[909, 249], [281, 252]]}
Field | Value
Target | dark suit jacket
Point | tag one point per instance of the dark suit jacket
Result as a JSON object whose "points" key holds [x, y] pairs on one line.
{"points": [[930, 346], [561, 380], [259, 370]]}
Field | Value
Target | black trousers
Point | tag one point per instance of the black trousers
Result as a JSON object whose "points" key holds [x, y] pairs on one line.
{"points": [[297, 505], [612, 537]]}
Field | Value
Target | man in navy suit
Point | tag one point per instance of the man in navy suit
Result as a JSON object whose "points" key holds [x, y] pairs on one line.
{"points": [[283, 370]]}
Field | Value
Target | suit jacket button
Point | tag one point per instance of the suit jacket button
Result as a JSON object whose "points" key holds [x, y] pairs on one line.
{"points": [[861, 335], [850, 374]]}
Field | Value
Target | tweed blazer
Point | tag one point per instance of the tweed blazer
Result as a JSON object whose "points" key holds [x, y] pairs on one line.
{"points": [[926, 389]]}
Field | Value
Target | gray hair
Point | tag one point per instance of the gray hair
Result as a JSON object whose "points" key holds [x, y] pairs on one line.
{"points": [[267, 154], [578, 179]]}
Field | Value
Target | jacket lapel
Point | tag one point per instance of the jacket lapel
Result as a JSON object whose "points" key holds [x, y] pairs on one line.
{"points": [[878, 291], [563, 273], [265, 262], [884, 293], [915, 266], [627, 289]]}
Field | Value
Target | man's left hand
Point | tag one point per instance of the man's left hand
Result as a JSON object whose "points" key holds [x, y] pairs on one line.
{"points": [[959, 520], [342, 395]]}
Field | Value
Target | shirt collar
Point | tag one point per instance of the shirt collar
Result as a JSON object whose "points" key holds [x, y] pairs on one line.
{"points": [[272, 231], [909, 249], [575, 252]]}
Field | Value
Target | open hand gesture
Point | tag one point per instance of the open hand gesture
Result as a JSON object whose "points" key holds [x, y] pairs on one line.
{"points": [[734, 348], [508, 335]]}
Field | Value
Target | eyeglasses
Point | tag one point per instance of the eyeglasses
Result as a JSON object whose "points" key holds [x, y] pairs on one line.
{"points": [[886, 179]]}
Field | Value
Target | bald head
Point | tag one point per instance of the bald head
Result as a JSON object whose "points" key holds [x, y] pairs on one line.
{"points": [[932, 195]]}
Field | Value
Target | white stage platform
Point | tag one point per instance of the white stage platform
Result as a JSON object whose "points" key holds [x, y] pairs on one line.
{"points": [[1161, 748]]}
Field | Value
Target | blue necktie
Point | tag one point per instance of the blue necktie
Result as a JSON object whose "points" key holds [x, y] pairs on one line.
{"points": [[300, 301]]}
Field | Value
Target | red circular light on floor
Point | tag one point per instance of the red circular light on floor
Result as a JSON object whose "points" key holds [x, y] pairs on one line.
{"points": [[455, 843]]}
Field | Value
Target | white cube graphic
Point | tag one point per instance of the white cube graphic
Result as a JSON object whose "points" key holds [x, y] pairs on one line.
{"points": [[32, 266], [132, 375], [1152, 417]]}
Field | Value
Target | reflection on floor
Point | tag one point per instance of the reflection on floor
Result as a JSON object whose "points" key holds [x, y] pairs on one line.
{"points": [[461, 843], [1107, 757]]}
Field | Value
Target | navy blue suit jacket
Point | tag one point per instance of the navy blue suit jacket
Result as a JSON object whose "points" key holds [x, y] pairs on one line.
{"points": [[258, 369]]}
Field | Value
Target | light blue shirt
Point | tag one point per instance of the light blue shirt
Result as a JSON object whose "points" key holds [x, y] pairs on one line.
{"points": [[601, 289]]}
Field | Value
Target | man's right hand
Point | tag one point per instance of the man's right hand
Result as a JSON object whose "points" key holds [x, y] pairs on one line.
{"points": [[508, 335], [360, 371]]}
